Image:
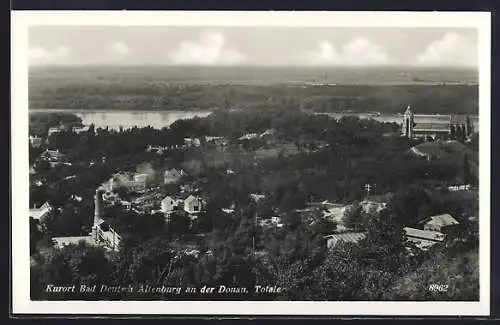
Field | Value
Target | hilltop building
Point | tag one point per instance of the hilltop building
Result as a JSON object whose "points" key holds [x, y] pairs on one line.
{"points": [[455, 127], [102, 234]]}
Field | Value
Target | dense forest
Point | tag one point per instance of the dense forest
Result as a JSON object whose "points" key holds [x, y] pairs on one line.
{"points": [[333, 160], [374, 91]]}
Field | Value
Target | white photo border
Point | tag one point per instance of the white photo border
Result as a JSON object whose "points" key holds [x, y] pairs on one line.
{"points": [[20, 22]]}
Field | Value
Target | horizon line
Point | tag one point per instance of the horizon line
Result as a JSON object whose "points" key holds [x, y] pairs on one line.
{"points": [[166, 65]]}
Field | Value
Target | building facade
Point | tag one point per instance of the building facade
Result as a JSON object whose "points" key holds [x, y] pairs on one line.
{"points": [[453, 127]]}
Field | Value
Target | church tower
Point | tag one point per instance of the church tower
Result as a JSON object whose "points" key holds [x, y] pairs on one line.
{"points": [[408, 123]]}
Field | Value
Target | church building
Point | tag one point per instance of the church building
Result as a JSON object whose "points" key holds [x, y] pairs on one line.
{"points": [[453, 127]]}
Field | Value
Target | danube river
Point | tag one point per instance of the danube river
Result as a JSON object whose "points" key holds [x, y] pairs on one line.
{"points": [[115, 119]]}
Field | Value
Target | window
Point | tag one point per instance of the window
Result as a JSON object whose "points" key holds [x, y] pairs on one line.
{"points": [[196, 208]]}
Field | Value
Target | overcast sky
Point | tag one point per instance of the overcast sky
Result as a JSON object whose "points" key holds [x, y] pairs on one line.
{"points": [[82, 45]]}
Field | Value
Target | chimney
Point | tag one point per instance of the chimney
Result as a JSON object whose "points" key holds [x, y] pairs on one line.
{"points": [[98, 209]]}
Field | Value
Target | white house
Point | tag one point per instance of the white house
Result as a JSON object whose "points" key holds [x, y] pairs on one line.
{"points": [[41, 212], [193, 204], [80, 129], [169, 204]]}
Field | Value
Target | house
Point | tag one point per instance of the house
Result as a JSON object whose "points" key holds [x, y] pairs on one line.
{"points": [[110, 196], [267, 132], [40, 213], [248, 136], [459, 188], [169, 204], [277, 221], [347, 237], [444, 223], [126, 204], [52, 155], [192, 142], [159, 149], [77, 198], [35, 141], [55, 129], [257, 197], [193, 204], [230, 209], [372, 206], [423, 239], [334, 211], [173, 175], [80, 129], [105, 236], [219, 141], [140, 181]]}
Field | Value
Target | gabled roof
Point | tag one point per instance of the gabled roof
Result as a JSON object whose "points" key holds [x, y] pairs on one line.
{"points": [[441, 220], [174, 172], [350, 237], [191, 198], [424, 234]]}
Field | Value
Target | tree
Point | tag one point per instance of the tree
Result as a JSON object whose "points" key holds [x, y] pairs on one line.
{"points": [[465, 173], [73, 265], [456, 277], [354, 217]]}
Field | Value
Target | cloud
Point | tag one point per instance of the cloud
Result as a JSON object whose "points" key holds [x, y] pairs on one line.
{"points": [[359, 51], [119, 49], [209, 49], [39, 55], [451, 49]]}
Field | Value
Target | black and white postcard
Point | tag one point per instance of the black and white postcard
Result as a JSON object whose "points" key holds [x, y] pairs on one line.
{"points": [[251, 163]]}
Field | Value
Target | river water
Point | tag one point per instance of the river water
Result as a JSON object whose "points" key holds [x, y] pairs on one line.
{"points": [[114, 119]]}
